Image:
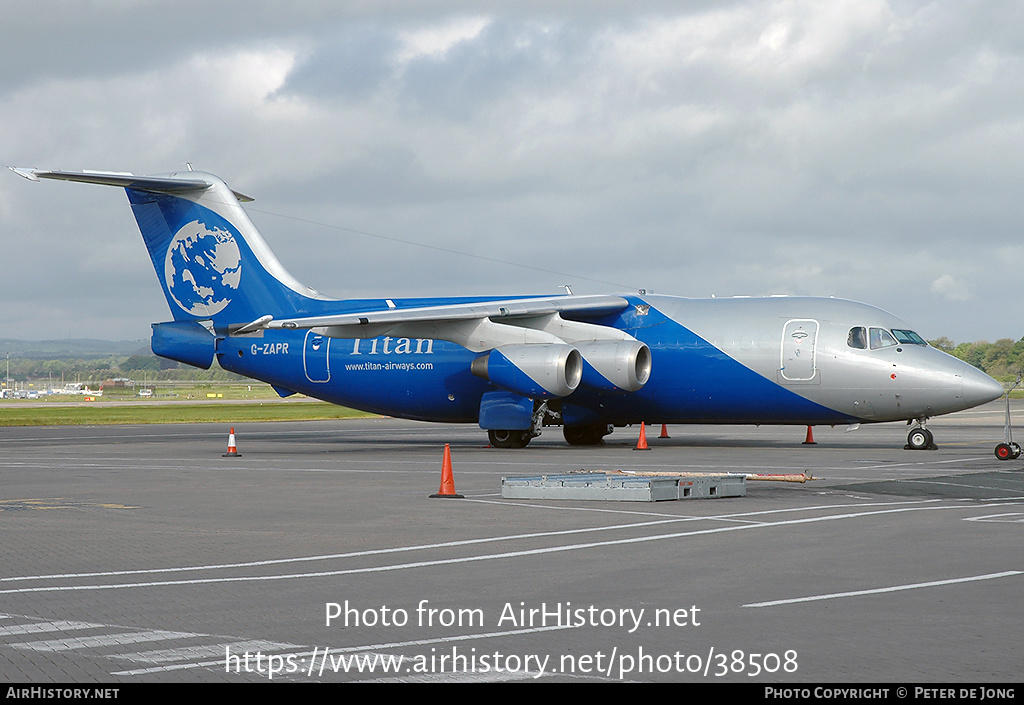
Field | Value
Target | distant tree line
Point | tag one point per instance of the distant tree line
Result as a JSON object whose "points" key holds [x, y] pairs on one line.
{"points": [[94, 371], [1003, 359]]}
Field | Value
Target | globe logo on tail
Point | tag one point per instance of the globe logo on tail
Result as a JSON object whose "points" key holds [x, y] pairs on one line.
{"points": [[203, 268]]}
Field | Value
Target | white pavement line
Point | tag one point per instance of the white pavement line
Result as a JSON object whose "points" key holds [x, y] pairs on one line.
{"points": [[356, 649], [458, 677], [352, 554], [42, 627], [893, 588], [467, 542], [691, 517], [92, 642], [968, 485], [594, 510], [187, 653], [999, 518], [484, 557]]}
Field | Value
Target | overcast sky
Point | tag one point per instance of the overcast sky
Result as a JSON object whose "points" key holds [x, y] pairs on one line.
{"points": [[861, 149]]}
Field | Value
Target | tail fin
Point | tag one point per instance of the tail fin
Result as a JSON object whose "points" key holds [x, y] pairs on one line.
{"points": [[211, 261]]}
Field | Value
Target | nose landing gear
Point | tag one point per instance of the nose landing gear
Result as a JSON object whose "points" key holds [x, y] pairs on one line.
{"points": [[920, 438]]}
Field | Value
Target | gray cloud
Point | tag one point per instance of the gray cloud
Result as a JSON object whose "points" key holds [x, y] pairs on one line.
{"points": [[860, 149]]}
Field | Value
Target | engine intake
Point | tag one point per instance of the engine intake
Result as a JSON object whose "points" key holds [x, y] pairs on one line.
{"points": [[623, 366]]}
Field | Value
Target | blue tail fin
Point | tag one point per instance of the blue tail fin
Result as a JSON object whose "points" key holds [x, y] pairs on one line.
{"points": [[211, 261]]}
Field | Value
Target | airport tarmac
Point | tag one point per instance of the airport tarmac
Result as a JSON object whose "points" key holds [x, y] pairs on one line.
{"points": [[140, 554]]}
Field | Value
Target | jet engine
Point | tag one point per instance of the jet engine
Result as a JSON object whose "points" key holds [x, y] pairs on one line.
{"points": [[623, 366], [535, 371]]}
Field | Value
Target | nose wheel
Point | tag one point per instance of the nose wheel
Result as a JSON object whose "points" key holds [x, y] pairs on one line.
{"points": [[920, 439]]}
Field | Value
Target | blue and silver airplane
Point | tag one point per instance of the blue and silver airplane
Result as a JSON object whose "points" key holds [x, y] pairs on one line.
{"points": [[516, 365]]}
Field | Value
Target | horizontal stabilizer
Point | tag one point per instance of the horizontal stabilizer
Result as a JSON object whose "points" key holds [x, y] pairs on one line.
{"points": [[160, 184]]}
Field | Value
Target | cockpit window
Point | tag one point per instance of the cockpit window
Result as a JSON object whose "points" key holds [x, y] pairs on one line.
{"points": [[858, 338], [908, 337], [881, 338]]}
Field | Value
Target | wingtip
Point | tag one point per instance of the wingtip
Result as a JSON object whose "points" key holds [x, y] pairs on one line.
{"points": [[25, 172]]}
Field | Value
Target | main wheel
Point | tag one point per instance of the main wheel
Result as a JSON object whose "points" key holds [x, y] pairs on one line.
{"points": [[503, 438], [1004, 451], [583, 435], [919, 439]]}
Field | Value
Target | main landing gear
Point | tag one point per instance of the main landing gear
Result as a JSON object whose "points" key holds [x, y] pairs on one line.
{"points": [[520, 438], [586, 435], [920, 438], [501, 438]]}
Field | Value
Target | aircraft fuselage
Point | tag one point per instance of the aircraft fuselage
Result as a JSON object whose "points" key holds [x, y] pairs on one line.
{"points": [[776, 360], [516, 364]]}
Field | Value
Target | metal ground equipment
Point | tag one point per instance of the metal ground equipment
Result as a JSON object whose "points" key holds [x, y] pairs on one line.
{"points": [[1008, 449]]}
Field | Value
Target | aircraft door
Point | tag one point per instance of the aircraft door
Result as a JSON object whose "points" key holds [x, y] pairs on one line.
{"points": [[315, 357], [799, 342]]}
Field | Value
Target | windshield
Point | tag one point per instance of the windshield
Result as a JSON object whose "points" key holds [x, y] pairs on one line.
{"points": [[861, 338], [908, 337]]}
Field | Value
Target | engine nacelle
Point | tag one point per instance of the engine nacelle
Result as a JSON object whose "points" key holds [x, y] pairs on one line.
{"points": [[534, 371], [619, 366], [184, 341]]}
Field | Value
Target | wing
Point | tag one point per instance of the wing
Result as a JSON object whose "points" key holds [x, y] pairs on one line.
{"points": [[527, 335], [478, 326]]}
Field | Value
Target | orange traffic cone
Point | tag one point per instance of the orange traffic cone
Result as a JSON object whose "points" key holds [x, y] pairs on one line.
{"points": [[664, 432], [810, 438], [642, 443], [447, 489], [232, 451]]}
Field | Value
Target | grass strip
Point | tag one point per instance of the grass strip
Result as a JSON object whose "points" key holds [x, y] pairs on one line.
{"points": [[174, 413]]}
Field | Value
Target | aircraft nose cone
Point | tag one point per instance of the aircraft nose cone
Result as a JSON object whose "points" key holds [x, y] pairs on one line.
{"points": [[979, 388]]}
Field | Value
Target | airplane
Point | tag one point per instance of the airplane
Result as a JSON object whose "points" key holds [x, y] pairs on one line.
{"points": [[587, 363]]}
